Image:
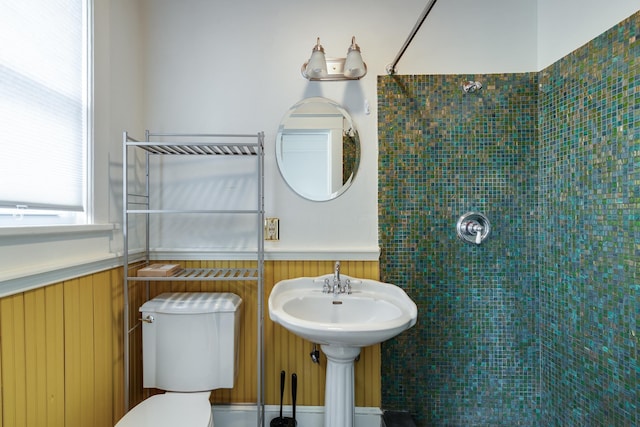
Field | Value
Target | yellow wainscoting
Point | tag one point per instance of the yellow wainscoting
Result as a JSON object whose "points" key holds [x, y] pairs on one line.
{"points": [[61, 354], [61, 348], [283, 350]]}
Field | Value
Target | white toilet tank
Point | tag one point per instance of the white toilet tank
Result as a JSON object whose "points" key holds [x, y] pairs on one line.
{"points": [[190, 341]]}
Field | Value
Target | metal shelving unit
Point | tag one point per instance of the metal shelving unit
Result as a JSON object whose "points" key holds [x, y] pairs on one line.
{"points": [[178, 144]]}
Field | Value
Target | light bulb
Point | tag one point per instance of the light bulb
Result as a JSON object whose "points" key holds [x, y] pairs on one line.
{"points": [[354, 66], [317, 65]]}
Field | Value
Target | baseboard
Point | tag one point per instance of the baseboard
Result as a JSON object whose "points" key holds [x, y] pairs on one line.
{"points": [[307, 416]]}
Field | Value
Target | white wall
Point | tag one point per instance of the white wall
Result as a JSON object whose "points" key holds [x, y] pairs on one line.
{"points": [[563, 26], [118, 97]]}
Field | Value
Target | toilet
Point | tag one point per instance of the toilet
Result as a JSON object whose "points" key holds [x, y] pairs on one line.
{"points": [[190, 347]]}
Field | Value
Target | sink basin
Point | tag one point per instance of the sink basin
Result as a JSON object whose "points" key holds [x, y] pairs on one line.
{"points": [[342, 323], [372, 313]]}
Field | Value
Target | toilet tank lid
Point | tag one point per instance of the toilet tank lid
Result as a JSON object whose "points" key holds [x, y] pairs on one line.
{"points": [[193, 303]]}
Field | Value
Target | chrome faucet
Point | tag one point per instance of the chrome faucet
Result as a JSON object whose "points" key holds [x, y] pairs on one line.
{"points": [[337, 288]]}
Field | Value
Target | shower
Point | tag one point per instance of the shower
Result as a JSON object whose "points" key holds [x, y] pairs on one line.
{"points": [[470, 86]]}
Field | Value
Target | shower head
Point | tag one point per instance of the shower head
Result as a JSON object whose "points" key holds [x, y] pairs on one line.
{"points": [[470, 86]]}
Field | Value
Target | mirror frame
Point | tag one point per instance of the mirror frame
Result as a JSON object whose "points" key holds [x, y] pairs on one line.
{"points": [[349, 131]]}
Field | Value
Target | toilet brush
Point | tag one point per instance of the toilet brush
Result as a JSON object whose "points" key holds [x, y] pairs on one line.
{"points": [[291, 422], [280, 421], [294, 393]]}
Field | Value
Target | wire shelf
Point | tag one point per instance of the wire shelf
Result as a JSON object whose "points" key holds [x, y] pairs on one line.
{"points": [[206, 274], [205, 148]]}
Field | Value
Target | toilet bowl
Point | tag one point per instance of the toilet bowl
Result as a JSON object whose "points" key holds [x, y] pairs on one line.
{"points": [[171, 410], [190, 347]]}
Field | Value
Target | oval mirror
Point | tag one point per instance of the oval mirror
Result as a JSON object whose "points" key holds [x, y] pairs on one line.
{"points": [[318, 149]]}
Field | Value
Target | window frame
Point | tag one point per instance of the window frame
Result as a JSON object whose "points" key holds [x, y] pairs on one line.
{"points": [[23, 217]]}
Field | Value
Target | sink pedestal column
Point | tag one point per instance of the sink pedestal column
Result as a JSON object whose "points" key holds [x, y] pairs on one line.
{"points": [[339, 402]]}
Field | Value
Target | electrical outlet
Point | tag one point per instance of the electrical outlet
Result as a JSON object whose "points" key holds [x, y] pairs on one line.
{"points": [[272, 229]]}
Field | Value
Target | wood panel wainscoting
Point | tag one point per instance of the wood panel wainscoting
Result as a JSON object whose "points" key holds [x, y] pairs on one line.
{"points": [[61, 354], [61, 351]]}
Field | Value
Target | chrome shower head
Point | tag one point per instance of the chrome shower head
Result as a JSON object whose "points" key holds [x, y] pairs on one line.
{"points": [[471, 86]]}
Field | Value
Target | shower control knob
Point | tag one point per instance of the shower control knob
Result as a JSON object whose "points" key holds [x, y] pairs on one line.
{"points": [[473, 227]]}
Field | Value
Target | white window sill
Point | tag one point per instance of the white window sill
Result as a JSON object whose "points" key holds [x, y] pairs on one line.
{"points": [[36, 256], [41, 230]]}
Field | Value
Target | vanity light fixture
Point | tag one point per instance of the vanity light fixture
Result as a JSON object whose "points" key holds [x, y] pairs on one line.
{"points": [[319, 68]]}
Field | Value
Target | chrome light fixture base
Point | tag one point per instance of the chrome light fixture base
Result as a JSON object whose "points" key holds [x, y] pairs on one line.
{"points": [[335, 71], [319, 68]]}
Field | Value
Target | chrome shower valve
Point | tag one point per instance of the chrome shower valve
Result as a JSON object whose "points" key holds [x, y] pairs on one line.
{"points": [[473, 227]]}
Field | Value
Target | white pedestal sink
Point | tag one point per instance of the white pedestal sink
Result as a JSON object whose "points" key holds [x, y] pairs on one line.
{"points": [[342, 324]]}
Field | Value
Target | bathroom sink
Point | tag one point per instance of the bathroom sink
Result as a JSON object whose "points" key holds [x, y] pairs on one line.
{"points": [[342, 319], [373, 312]]}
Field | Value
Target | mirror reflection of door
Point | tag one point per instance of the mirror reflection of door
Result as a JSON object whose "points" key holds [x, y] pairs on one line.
{"points": [[306, 156]]}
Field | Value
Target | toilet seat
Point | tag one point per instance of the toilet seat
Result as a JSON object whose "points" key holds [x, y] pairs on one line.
{"points": [[171, 410]]}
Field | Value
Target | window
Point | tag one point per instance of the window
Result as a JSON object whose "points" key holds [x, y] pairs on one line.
{"points": [[44, 111]]}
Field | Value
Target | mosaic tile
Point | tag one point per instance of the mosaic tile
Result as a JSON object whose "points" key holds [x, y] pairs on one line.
{"points": [[474, 357], [589, 120], [538, 325]]}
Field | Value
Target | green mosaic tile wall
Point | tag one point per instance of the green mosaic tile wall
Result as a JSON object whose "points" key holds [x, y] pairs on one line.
{"points": [[473, 358], [590, 238], [538, 325]]}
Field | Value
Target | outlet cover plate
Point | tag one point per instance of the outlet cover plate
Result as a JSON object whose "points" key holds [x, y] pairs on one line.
{"points": [[272, 229]]}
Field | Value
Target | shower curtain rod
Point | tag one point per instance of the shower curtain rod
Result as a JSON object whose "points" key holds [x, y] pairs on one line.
{"points": [[391, 68]]}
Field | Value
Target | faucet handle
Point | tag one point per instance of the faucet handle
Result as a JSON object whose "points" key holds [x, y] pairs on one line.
{"points": [[347, 287], [326, 288]]}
